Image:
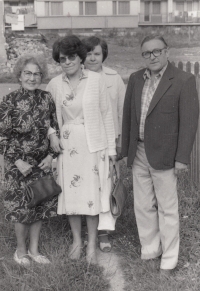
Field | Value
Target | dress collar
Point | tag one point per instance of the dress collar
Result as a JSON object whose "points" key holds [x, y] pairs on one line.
{"points": [[84, 74], [25, 91]]}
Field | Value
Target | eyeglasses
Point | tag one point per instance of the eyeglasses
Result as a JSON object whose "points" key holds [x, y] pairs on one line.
{"points": [[155, 53], [70, 58], [29, 74]]}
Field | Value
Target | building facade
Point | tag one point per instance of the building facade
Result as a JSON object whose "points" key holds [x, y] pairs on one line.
{"points": [[168, 12], [94, 14], [100, 14]]}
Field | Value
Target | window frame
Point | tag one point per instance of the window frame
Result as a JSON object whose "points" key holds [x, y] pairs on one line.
{"points": [[86, 8], [155, 6], [119, 7], [50, 8]]}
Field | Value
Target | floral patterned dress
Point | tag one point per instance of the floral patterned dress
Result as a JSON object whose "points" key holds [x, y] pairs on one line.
{"points": [[25, 117], [81, 169]]}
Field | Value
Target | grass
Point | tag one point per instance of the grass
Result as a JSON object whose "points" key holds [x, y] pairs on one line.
{"points": [[144, 275], [139, 275], [61, 275]]}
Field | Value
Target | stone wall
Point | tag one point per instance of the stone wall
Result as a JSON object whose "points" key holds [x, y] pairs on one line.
{"points": [[17, 47]]}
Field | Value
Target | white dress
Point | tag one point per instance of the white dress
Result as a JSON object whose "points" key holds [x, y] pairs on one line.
{"points": [[80, 168]]}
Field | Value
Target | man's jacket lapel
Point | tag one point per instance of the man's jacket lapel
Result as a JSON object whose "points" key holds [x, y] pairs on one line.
{"points": [[163, 86], [138, 94]]}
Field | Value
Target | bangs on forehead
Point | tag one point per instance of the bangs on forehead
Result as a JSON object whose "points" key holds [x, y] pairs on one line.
{"points": [[91, 43], [90, 47], [68, 52]]}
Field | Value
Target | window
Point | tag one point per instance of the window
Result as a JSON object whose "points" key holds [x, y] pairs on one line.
{"points": [[146, 11], [56, 8], [180, 6], [124, 7], [47, 8], [53, 8], [90, 8], [80, 8], [189, 6], [114, 7], [156, 7]]}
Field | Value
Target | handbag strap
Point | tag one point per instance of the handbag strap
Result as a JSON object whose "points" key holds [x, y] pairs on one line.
{"points": [[114, 173]]}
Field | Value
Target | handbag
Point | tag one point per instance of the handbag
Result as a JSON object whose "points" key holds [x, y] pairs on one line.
{"points": [[42, 190], [118, 196]]}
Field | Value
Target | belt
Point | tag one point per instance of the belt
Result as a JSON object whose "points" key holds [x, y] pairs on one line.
{"points": [[75, 121]]}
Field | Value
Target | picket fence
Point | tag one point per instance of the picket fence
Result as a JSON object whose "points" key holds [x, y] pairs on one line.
{"points": [[194, 68]]}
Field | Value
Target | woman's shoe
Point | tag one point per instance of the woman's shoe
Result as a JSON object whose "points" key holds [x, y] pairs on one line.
{"points": [[39, 259], [104, 244], [23, 261], [85, 239]]}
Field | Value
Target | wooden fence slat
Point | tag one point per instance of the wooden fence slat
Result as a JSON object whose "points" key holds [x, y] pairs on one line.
{"points": [[193, 68]]}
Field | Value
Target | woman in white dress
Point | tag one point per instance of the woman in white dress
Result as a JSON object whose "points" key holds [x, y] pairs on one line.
{"points": [[97, 52], [87, 135]]}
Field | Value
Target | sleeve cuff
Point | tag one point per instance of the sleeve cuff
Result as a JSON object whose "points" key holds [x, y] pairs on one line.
{"points": [[50, 131], [112, 152], [52, 153], [119, 141]]}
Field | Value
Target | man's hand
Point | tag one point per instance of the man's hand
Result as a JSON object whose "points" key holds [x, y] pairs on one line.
{"points": [[55, 143], [125, 160], [180, 168], [24, 167], [45, 164]]}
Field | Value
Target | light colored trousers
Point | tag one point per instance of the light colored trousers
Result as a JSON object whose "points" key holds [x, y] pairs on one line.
{"points": [[156, 210]]}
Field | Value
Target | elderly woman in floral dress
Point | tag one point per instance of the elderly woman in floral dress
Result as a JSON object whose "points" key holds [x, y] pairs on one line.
{"points": [[25, 117]]}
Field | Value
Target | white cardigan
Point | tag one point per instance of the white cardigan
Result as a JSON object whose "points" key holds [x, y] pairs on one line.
{"points": [[116, 90], [97, 111]]}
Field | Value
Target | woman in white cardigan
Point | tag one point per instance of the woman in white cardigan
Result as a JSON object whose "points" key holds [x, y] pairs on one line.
{"points": [[97, 52], [87, 131]]}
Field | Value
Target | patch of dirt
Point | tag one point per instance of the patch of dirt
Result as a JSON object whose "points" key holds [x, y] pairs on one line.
{"points": [[112, 269]]}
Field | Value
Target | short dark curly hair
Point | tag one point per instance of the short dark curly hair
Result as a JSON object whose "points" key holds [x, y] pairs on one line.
{"points": [[92, 41], [38, 60], [69, 45]]}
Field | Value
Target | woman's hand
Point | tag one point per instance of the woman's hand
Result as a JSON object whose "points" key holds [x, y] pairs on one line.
{"points": [[24, 167], [119, 155], [45, 164], [55, 143], [113, 159]]}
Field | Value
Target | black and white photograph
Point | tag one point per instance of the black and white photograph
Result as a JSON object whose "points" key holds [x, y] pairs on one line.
{"points": [[99, 145]]}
